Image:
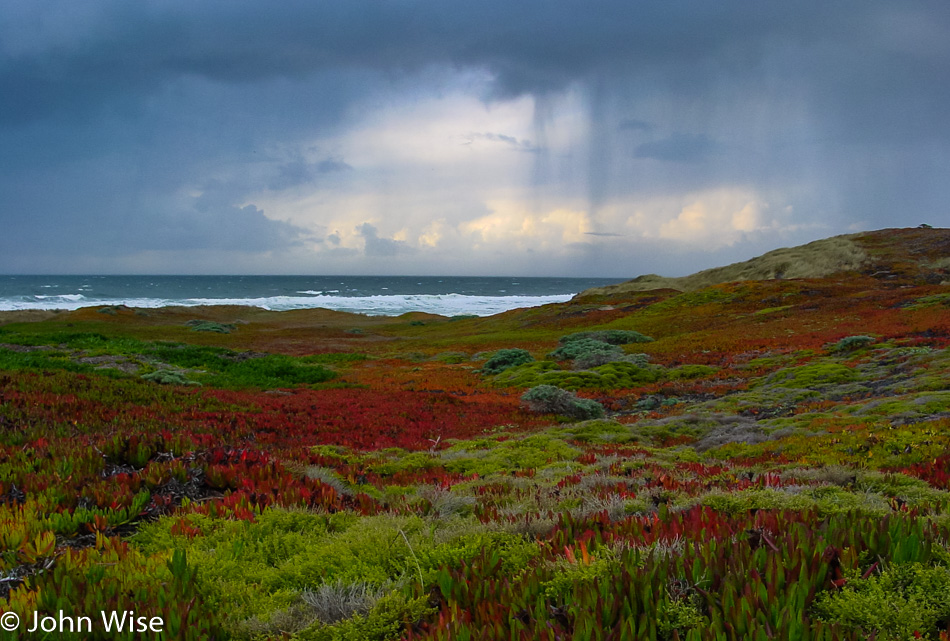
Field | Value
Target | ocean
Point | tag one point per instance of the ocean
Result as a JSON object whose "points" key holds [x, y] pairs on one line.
{"points": [[373, 295]]}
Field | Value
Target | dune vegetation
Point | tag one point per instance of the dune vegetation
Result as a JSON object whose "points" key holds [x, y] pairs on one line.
{"points": [[756, 452]]}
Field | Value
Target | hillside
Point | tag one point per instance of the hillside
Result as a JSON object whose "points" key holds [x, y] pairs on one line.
{"points": [[915, 254], [749, 459]]}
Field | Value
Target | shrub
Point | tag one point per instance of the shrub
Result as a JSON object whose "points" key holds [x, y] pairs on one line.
{"points": [[583, 348], [902, 602], [505, 358], [210, 326], [554, 400], [594, 359], [590, 361], [611, 336], [850, 344]]}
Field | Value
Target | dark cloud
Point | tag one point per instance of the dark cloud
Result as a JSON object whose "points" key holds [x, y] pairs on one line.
{"points": [[124, 49], [75, 213], [226, 228], [378, 247], [213, 220]]}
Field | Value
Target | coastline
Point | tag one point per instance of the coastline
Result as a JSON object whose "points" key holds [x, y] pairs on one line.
{"points": [[240, 314], [380, 295]]}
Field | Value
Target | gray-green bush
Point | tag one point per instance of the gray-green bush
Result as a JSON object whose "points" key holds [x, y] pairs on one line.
{"points": [[850, 344], [583, 348], [590, 361], [549, 399], [612, 336], [210, 326], [505, 358]]}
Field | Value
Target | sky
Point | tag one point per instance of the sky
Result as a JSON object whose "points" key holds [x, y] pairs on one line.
{"points": [[411, 137]]}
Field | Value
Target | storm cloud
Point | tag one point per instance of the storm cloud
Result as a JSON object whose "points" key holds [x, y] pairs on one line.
{"points": [[311, 136], [379, 247]]}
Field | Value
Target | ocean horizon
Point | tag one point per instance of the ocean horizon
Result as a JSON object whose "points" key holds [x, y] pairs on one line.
{"points": [[372, 295]]}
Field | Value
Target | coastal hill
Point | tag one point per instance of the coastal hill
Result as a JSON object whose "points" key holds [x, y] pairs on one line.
{"points": [[919, 255]]}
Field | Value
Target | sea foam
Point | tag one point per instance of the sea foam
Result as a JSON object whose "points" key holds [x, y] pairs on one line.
{"points": [[378, 305]]}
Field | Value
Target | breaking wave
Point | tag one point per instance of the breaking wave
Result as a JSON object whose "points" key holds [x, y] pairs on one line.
{"points": [[377, 305]]}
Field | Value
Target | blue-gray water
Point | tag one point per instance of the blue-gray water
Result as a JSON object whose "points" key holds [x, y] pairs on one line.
{"points": [[377, 295]]}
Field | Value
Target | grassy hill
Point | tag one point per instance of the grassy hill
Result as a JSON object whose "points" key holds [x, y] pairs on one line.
{"points": [[920, 253]]}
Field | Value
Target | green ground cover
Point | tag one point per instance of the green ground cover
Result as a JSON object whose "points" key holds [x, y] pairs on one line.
{"points": [[161, 361]]}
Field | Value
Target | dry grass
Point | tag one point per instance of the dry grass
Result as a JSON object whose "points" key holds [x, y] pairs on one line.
{"points": [[28, 315], [334, 602]]}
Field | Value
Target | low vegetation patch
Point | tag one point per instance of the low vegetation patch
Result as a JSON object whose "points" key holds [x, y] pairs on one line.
{"points": [[163, 361], [611, 376]]}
